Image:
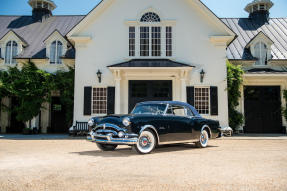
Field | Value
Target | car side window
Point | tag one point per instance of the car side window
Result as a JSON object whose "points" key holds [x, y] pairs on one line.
{"points": [[189, 112], [178, 111]]}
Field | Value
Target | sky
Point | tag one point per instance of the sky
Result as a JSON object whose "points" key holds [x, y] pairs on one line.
{"points": [[222, 8]]}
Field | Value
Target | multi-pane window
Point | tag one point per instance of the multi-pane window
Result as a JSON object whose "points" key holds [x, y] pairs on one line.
{"points": [[201, 100], [144, 41], [56, 50], [156, 41], [99, 103], [260, 53], [168, 31], [150, 38], [132, 40], [11, 52], [150, 17]]}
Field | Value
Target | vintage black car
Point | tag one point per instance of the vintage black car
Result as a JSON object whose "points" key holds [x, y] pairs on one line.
{"points": [[151, 124]]}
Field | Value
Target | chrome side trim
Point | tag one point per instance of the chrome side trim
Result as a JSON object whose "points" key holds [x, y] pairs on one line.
{"points": [[176, 142], [151, 127]]}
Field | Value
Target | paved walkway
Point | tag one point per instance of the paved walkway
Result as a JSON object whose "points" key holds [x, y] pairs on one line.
{"points": [[38, 137], [65, 136]]}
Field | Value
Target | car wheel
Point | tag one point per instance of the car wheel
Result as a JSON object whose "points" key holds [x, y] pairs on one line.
{"points": [[203, 140], [146, 143], [105, 147]]}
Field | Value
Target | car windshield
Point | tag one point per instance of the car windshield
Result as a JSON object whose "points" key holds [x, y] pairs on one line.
{"points": [[155, 109]]}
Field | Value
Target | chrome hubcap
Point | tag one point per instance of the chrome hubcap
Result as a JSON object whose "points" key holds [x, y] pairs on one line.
{"points": [[203, 139], [144, 142]]}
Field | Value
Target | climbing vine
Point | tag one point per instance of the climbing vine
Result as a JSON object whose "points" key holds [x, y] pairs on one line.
{"points": [[32, 87], [234, 82]]}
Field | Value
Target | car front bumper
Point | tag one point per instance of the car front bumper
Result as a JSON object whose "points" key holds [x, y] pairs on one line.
{"points": [[128, 139]]}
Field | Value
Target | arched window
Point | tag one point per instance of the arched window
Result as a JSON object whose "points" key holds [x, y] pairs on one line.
{"points": [[56, 52], [260, 53], [150, 17], [11, 52]]}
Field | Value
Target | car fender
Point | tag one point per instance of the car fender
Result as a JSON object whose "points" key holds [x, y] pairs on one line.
{"points": [[208, 130], [152, 128]]}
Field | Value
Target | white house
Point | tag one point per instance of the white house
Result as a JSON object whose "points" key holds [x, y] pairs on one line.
{"points": [[150, 50], [128, 51]]}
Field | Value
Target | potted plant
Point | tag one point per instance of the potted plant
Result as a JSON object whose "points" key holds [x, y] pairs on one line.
{"points": [[26, 131]]}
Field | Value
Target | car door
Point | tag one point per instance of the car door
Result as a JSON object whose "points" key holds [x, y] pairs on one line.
{"points": [[180, 124]]}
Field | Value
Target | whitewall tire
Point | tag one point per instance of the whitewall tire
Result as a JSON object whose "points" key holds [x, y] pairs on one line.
{"points": [[203, 140], [146, 142]]}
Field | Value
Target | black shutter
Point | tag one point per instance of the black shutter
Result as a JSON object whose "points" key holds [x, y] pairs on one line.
{"points": [[190, 95], [111, 100], [214, 100], [87, 100]]}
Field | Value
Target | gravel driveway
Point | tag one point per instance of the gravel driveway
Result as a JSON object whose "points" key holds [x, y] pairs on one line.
{"points": [[65, 164]]}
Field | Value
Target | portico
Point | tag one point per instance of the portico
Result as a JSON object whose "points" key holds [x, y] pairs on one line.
{"points": [[154, 72]]}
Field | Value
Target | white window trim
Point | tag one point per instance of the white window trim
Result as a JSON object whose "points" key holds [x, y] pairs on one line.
{"points": [[260, 52], [56, 53], [56, 36], [11, 53], [163, 24], [209, 103], [92, 102]]}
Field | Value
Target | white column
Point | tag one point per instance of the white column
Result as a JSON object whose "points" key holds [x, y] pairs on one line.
{"points": [[183, 76], [183, 89], [118, 92]]}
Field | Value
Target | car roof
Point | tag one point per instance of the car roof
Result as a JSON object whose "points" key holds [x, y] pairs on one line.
{"points": [[179, 103]]}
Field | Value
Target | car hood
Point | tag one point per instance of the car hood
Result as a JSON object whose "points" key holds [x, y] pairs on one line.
{"points": [[117, 119]]}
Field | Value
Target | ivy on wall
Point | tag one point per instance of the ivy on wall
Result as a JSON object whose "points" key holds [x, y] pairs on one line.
{"points": [[32, 87], [234, 82]]}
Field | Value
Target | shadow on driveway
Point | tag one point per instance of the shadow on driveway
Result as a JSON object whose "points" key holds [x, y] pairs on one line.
{"points": [[126, 152]]}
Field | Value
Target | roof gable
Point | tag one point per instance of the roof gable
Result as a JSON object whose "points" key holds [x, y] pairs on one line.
{"points": [[261, 36], [103, 4], [56, 35], [12, 35]]}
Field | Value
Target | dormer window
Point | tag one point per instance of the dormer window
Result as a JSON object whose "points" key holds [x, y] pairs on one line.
{"points": [[155, 38], [56, 50], [260, 52], [11, 52]]}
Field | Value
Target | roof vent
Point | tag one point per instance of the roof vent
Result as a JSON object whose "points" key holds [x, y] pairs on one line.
{"points": [[42, 9], [259, 10]]}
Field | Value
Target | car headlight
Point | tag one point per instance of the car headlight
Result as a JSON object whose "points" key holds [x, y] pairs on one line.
{"points": [[91, 122], [121, 134], [126, 121]]}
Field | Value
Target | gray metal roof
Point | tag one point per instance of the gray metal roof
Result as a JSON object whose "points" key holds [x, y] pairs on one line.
{"points": [[34, 33], [150, 63], [246, 29]]}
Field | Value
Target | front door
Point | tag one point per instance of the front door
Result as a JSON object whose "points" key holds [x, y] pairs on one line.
{"points": [[140, 91], [262, 108], [58, 117]]}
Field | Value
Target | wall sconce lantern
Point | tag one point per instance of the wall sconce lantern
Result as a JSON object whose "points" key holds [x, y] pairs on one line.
{"points": [[99, 74], [202, 74]]}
